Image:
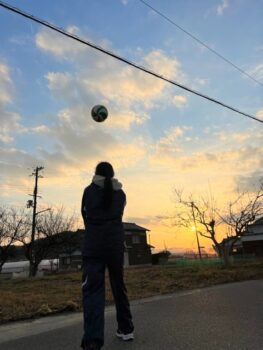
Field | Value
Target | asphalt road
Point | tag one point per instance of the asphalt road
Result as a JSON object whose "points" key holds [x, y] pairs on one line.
{"points": [[223, 317]]}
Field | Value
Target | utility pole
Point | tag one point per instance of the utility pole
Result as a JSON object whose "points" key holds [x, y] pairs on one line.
{"points": [[198, 244], [35, 196], [33, 204]]}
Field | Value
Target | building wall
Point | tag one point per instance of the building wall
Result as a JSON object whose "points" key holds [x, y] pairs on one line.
{"points": [[137, 248], [255, 229], [253, 247], [252, 240], [72, 262], [137, 252]]}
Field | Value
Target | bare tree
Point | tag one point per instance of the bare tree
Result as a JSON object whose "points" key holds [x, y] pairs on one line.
{"points": [[242, 211], [49, 225], [11, 225], [200, 214]]}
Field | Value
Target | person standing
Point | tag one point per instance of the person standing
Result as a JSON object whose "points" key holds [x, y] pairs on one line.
{"points": [[102, 209]]}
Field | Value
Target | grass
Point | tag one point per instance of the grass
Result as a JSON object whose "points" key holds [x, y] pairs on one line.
{"points": [[29, 298]]}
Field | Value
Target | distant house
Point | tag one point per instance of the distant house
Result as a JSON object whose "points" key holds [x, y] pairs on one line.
{"points": [[252, 240], [236, 244], [137, 250], [161, 257]]}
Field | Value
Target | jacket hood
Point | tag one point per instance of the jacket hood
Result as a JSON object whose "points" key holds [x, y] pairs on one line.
{"points": [[99, 180]]}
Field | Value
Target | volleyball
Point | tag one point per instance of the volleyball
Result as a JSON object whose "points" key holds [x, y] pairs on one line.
{"points": [[99, 113]]}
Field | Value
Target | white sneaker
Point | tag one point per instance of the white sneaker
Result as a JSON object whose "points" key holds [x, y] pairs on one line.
{"points": [[125, 337]]}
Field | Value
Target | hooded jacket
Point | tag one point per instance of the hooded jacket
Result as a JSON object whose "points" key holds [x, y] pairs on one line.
{"points": [[103, 227]]}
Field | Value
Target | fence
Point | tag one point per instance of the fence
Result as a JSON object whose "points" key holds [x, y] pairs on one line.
{"points": [[215, 261]]}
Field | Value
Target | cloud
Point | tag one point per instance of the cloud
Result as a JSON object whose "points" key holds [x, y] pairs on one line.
{"points": [[172, 135], [147, 220], [66, 87], [72, 89], [180, 101], [10, 121], [124, 2], [6, 85], [259, 113], [15, 165], [77, 142], [125, 86], [247, 158], [250, 182], [241, 136], [201, 81], [167, 66], [58, 45], [95, 144], [222, 7], [102, 76], [257, 71], [21, 39], [125, 118], [129, 95], [39, 129], [168, 147], [10, 124], [82, 143], [233, 137]]}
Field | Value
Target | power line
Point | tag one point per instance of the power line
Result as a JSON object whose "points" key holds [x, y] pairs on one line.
{"points": [[200, 42], [122, 59]]}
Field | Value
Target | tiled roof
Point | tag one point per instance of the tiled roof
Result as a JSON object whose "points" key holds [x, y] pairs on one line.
{"points": [[258, 221], [129, 226]]}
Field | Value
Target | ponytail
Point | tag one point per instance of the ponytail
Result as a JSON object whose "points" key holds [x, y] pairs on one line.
{"points": [[105, 169], [108, 192]]}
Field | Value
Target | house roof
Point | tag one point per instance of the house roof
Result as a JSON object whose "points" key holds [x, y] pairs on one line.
{"points": [[129, 226], [250, 238], [229, 240], [258, 221]]}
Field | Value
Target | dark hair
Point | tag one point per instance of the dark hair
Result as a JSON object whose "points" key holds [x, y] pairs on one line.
{"points": [[105, 169]]}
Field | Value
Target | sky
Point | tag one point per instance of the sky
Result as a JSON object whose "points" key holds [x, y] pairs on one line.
{"points": [[157, 136]]}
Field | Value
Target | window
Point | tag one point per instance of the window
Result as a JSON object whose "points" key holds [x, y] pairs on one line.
{"points": [[66, 261], [135, 239]]}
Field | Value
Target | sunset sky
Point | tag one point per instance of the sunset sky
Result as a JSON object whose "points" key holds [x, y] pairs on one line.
{"points": [[157, 136]]}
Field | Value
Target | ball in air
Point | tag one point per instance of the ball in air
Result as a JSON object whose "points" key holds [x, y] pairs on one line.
{"points": [[99, 113]]}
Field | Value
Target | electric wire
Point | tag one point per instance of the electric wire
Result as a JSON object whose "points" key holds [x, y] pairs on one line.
{"points": [[122, 59], [200, 41]]}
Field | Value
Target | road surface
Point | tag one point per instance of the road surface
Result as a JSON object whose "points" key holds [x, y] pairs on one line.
{"points": [[222, 317]]}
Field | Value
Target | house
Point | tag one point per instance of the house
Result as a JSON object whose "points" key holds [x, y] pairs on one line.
{"points": [[250, 243], [161, 257], [252, 240], [137, 250]]}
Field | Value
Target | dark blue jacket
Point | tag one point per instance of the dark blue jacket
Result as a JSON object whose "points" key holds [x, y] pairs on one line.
{"points": [[103, 227]]}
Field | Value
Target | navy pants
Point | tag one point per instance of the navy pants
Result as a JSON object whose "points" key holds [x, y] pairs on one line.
{"points": [[93, 291]]}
